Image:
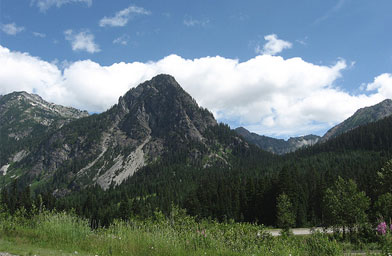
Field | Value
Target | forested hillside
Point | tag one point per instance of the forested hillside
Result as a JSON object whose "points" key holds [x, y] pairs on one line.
{"points": [[248, 188]]}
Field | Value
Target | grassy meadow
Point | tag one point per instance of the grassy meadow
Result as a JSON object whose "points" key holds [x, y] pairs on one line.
{"points": [[60, 233]]}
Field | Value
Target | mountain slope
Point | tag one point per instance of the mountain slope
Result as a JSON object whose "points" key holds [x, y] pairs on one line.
{"points": [[362, 116], [247, 191], [277, 146], [26, 118], [156, 121]]}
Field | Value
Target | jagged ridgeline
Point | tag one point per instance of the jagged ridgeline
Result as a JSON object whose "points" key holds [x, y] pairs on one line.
{"points": [[277, 146], [361, 117], [155, 123], [25, 119]]}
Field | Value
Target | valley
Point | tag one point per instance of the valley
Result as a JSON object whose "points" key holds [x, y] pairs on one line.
{"points": [[157, 150]]}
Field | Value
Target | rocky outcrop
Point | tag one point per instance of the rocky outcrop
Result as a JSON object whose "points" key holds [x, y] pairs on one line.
{"points": [[25, 119], [361, 117]]}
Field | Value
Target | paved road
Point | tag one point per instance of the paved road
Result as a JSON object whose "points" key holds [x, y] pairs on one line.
{"points": [[298, 231]]}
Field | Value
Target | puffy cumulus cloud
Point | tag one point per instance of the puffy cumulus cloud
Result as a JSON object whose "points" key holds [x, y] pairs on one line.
{"points": [[107, 83], [44, 5], [22, 72], [122, 17], [382, 84], [72, 86], [273, 45], [267, 94], [11, 28], [82, 41]]}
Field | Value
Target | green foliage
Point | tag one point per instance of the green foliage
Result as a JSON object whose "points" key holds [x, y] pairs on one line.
{"points": [[285, 214], [178, 234], [385, 177], [16, 198], [387, 244], [383, 206], [345, 206], [321, 244]]}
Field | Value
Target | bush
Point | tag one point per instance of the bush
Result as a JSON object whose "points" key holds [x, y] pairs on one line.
{"points": [[387, 244], [320, 244]]}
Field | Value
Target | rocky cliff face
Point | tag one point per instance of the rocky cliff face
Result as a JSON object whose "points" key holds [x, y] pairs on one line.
{"points": [[25, 119], [160, 107], [361, 117], [277, 146], [148, 123], [20, 111]]}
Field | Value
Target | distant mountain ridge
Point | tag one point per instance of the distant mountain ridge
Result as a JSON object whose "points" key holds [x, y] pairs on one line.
{"points": [[361, 117], [277, 146]]}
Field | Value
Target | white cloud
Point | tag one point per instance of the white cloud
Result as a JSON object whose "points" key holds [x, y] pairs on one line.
{"points": [[11, 28], [267, 94], [303, 41], [382, 84], [82, 41], [37, 74], [191, 22], [122, 17], [336, 8], [44, 5], [121, 40], [273, 45], [37, 34]]}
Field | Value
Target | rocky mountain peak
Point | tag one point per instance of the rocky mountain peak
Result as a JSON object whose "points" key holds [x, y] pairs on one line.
{"points": [[152, 121], [378, 111], [161, 106], [162, 86], [20, 112], [361, 117], [35, 102], [26, 118]]}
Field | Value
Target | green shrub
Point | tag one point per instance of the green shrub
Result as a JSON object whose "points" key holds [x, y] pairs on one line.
{"points": [[387, 244], [320, 244]]}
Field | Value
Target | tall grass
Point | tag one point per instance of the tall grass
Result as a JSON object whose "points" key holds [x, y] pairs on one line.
{"points": [[178, 234]]}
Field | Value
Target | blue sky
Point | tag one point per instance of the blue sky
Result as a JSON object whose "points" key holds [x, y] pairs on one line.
{"points": [[280, 68]]}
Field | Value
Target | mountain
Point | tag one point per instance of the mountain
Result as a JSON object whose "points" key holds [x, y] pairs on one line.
{"points": [[361, 117], [155, 122], [25, 119], [277, 146], [156, 148]]}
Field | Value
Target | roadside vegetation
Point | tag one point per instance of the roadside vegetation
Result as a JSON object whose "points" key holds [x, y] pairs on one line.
{"points": [[48, 232], [177, 234], [349, 192]]}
